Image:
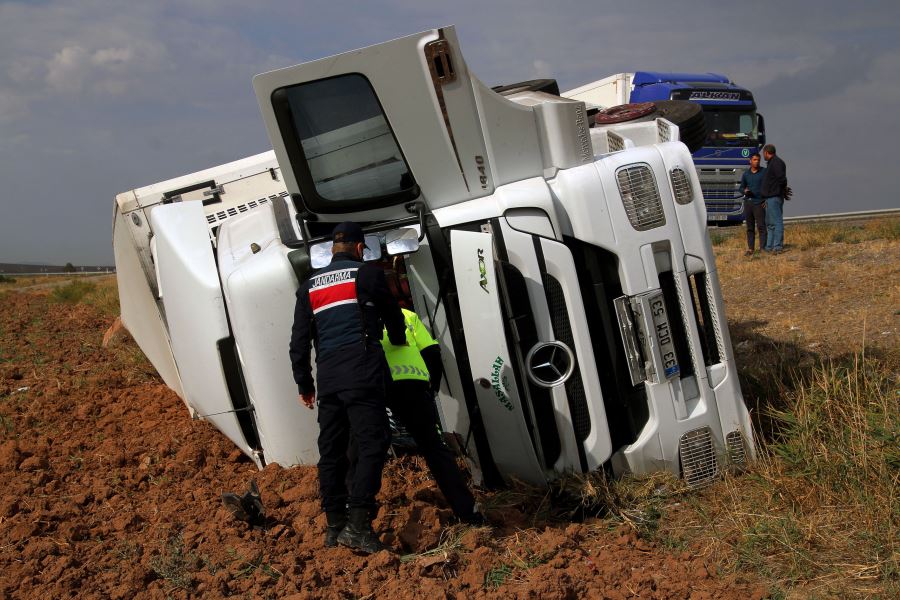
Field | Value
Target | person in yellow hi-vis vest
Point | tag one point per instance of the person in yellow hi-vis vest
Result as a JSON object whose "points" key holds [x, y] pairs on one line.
{"points": [[416, 376]]}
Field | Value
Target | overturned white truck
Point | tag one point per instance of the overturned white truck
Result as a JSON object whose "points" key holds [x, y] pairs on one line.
{"points": [[566, 271]]}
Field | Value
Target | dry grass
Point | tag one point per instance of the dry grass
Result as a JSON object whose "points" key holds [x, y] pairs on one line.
{"points": [[105, 297], [818, 513], [805, 236], [819, 510], [49, 280]]}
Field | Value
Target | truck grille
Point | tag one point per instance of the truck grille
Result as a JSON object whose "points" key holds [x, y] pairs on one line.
{"points": [[717, 190], [521, 334], [559, 317], [698, 457], [627, 411], [640, 196]]}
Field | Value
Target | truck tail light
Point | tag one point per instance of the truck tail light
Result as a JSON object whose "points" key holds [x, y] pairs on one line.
{"points": [[681, 185]]}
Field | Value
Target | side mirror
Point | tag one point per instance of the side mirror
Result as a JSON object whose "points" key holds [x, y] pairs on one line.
{"points": [[320, 254], [401, 241], [761, 129], [373, 248]]}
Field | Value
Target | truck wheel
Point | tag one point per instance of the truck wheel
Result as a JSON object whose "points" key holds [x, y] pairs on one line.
{"points": [[687, 115], [548, 86], [689, 118], [624, 113]]}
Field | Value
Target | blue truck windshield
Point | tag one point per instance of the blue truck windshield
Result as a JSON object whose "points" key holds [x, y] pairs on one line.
{"points": [[730, 127]]}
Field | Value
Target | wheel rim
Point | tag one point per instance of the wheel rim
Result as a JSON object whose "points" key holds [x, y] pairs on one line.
{"points": [[625, 112]]}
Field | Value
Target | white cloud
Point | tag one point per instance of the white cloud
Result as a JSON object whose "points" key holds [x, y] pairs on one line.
{"points": [[112, 95], [112, 57], [68, 68]]}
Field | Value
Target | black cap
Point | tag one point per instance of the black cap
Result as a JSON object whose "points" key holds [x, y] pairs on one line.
{"points": [[348, 231]]}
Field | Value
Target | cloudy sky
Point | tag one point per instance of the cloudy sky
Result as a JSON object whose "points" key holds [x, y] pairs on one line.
{"points": [[102, 96]]}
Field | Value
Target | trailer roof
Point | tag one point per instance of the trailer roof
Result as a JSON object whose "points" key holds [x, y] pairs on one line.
{"points": [[225, 173]]}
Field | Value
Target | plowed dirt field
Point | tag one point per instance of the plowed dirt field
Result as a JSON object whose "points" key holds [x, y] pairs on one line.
{"points": [[109, 490]]}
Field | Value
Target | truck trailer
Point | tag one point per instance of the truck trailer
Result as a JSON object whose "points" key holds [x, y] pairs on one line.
{"points": [[565, 271], [735, 130]]}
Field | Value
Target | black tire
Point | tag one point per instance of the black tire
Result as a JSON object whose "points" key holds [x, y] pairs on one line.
{"points": [[548, 86], [688, 116]]}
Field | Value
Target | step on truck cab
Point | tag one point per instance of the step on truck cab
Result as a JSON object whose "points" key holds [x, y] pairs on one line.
{"points": [[735, 129], [567, 274]]}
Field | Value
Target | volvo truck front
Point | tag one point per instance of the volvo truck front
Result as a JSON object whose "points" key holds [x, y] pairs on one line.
{"points": [[735, 130]]}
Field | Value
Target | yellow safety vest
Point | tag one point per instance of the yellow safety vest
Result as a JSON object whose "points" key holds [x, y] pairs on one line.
{"points": [[406, 361]]}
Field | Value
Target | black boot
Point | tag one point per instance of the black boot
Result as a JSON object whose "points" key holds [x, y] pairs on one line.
{"points": [[336, 523], [358, 534]]}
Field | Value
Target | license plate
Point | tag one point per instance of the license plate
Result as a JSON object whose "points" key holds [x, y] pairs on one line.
{"points": [[664, 336], [716, 217]]}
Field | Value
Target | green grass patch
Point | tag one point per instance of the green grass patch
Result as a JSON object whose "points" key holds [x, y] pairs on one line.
{"points": [[104, 297], [174, 565], [246, 568], [74, 292], [6, 279], [514, 568], [497, 576], [717, 239], [6, 426]]}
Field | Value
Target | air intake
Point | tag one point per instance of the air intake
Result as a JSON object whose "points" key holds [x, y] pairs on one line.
{"points": [[640, 197], [698, 457], [681, 185], [737, 451], [614, 141]]}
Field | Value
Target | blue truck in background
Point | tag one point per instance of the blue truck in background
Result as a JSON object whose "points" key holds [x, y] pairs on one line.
{"points": [[735, 130]]}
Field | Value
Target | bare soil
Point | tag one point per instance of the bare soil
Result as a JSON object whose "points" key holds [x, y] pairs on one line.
{"points": [[109, 490]]}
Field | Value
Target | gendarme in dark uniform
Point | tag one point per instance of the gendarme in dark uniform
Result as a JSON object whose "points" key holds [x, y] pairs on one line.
{"points": [[344, 309]]}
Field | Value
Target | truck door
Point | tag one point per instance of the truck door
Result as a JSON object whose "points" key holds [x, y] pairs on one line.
{"points": [[195, 316], [496, 388], [362, 134], [381, 135]]}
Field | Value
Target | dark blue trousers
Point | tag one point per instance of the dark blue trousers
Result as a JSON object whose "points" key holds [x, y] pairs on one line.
{"points": [[361, 412], [412, 404]]}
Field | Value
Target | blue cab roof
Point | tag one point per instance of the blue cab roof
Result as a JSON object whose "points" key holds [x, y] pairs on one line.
{"points": [[709, 89], [645, 77]]}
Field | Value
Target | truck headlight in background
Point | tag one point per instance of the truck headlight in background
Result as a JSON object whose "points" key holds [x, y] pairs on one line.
{"points": [[681, 185], [640, 195]]}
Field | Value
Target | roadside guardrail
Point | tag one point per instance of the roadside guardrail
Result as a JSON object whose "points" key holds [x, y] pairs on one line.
{"points": [[860, 215]]}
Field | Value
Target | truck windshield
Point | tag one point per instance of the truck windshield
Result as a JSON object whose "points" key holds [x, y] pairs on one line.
{"points": [[730, 127], [349, 150]]}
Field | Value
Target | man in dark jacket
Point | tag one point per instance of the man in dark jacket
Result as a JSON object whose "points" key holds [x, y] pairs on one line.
{"points": [[774, 185], [344, 308], [754, 205]]}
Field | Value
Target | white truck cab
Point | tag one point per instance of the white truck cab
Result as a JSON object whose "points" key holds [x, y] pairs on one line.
{"points": [[566, 273]]}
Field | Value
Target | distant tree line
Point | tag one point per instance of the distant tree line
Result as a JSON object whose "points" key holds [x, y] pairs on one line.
{"points": [[14, 268]]}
